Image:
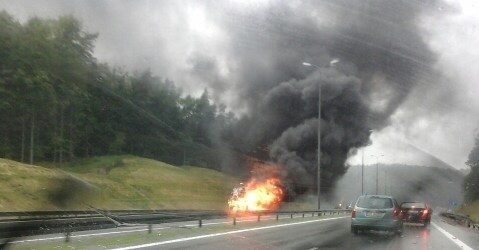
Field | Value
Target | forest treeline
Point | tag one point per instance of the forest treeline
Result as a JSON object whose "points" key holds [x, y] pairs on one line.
{"points": [[58, 103]]}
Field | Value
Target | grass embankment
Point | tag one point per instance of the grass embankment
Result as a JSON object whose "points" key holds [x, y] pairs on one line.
{"points": [[111, 182], [472, 209]]}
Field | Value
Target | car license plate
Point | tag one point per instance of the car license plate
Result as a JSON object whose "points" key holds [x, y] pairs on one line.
{"points": [[413, 212], [373, 214]]}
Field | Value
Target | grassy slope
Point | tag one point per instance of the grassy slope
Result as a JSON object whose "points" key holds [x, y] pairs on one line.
{"points": [[113, 182], [24, 186], [472, 209]]}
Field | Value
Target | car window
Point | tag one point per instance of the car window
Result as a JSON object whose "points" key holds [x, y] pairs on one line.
{"points": [[375, 202], [413, 205], [396, 203]]}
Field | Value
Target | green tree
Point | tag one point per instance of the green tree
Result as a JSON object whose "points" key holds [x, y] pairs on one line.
{"points": [[59, 102], [71, 64], [200, 117], [471, 182]]}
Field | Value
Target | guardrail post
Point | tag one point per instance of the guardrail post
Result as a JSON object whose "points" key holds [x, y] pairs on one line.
{"points": [[234, 221], [291, 216], [150, 227], [312, 214], [277, 216], [200, 223], [319, 214], [303, 215], [67, 235], [259, 217]]}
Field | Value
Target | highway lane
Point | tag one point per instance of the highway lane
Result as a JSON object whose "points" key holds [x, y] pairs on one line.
{"points": [[308, 233], [326, 234]]}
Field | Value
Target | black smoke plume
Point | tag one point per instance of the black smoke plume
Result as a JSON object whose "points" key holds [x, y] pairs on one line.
{"points": [[382, 56]]}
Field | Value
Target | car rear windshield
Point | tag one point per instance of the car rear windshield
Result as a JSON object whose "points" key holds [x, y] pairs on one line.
{"points": [[375, 202], [413, 205]]}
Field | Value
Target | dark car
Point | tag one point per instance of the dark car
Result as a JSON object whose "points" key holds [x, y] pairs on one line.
{"points": [[376, 212], [416, 212]]}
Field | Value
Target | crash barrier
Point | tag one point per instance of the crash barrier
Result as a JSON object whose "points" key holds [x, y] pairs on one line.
{"points": [[66, 222], [295, 213], [461, 219], [18, 224]]}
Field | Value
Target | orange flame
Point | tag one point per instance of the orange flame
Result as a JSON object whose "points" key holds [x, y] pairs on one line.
{"points": [[260, 193]]}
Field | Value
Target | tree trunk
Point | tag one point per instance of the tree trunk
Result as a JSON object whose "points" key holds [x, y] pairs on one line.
{"points": [[60, 157], [55, 140], [70, 148], [23, 140], [32, 135], [87, 151]]}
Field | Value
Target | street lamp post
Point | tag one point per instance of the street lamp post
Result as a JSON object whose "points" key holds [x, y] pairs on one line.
{"points": [[377, 170], [385, 182], [362, 168], [331, 63], [362, 172]]}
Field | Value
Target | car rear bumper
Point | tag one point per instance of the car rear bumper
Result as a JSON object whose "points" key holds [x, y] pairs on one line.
{"points": [[416, 220], [382, 225]]}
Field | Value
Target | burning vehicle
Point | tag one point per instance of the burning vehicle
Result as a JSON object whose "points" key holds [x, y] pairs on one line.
{"points": [[264, 191]]}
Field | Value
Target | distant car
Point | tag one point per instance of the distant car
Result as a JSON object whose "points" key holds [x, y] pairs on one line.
{"points": [[416, 212], [376, 212]]}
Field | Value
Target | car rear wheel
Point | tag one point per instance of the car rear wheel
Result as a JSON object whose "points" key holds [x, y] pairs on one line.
{"points": [[354, 230], [400, 229]]}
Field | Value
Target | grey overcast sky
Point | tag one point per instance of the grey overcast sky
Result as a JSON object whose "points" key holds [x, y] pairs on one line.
{"points": [[202, 44]]}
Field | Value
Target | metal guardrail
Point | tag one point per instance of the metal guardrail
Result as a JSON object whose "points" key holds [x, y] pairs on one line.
{"points": [[47, 222], [461, 219], [291, 213], [25, 215]]}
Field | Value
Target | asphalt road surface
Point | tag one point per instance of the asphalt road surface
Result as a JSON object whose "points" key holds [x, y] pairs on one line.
{"points": [[314, 233], [328, 234]]}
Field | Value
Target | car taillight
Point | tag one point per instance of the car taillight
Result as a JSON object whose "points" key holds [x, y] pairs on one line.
{"points": [[353, 213], [424, 213], [396, 212]]}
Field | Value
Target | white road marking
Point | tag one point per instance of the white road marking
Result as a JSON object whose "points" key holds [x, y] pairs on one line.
{"points": [[53, 219], [84, 235], [225, 233], [51, 238], [461, 244]]}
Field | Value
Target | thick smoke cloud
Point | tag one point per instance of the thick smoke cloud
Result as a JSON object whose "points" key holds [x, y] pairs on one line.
{"points": [[382, 57], [290, 110]]}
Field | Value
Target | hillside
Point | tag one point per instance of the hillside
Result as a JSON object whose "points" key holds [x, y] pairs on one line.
{"points": [[111, 182]]}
